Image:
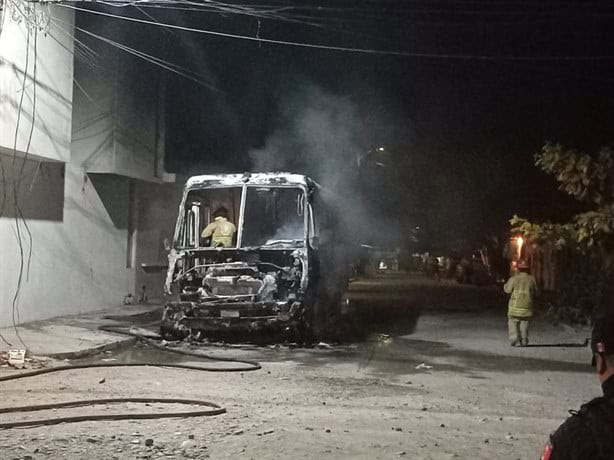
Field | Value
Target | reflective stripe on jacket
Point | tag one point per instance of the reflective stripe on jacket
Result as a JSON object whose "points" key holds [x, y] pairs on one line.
{"points": [[523, 289]]}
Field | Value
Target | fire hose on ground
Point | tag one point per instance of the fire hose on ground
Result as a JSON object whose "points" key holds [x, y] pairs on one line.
{"points": [[213, 408]]}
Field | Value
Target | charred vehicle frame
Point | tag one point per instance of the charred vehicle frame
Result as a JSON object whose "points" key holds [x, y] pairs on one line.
{"points": [[283, 274]]}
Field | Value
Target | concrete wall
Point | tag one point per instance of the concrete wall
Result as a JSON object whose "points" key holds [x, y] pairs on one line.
{"points": [[89, 235], [77, 222], [93, 131], [51, 96], [78, 240], [157, 213], [140, 127], [117, 124]]}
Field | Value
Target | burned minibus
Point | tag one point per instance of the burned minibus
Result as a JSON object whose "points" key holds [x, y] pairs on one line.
{"points": [[282, 270]]}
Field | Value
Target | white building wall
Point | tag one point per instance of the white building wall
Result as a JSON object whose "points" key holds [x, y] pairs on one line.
{"points": [[54, 69], [117, 120], [78, 260], [93, 133], [84, 226]]}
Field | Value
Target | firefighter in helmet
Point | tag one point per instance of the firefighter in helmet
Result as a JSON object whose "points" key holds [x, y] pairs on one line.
{"points": [[220, 232], [522, 288]]}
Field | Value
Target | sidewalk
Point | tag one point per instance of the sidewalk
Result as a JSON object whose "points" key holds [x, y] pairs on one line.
{"points": [[70, 337]]}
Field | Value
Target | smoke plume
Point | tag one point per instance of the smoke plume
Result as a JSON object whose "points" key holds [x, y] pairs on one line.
{"points": [[325, 136], [318, 134]]}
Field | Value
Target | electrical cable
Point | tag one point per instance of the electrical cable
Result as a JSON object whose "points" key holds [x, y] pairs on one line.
{"points": [[77, 53], [319, 16], [16, 188], [149, 4], [177, 69], [153, 60], [85, 93], [15, 192], [3, 9], [379, 6], [89, 61], [217, 409], [193, 6], [89, 55], [350, 49], [181, 39], [294, 20], [25, 157], [298, 13]]}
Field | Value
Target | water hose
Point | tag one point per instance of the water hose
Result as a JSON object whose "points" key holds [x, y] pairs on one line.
{"points": [[145, 337]]}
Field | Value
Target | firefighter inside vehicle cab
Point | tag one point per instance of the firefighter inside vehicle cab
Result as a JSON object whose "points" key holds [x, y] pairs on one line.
{"points": [[589, 433], [220, 232]]}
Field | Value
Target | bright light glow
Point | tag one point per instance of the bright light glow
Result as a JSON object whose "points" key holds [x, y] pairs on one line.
{"points": [[380, 149], [519, 243]]}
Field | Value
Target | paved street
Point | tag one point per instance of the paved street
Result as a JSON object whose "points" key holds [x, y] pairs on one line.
{"points": [[431, 376]]}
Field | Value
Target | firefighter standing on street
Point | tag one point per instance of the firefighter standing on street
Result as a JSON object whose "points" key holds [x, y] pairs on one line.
{"points": [[589, 433], [522, 288], [221, 231]]}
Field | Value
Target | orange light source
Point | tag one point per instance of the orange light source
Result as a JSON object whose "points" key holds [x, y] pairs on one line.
{"points": [[519, 243]]}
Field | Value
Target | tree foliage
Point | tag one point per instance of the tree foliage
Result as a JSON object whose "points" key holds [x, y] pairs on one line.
{"points": [[587, 240], [585, 177], [589, 179]]}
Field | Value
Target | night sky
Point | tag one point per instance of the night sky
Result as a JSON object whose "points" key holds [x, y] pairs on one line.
{"points": [[461, 126]]}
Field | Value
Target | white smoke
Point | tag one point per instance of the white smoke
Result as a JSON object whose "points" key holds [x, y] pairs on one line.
{"points": [[318, 134], [324, 136]]}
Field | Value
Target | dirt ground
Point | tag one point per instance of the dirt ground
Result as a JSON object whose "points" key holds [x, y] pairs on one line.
{"points": [[474, 397]]}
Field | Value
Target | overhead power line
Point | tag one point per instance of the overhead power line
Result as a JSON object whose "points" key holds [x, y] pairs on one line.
{"points": [[444, 11], [177, 69], [400, 53]]}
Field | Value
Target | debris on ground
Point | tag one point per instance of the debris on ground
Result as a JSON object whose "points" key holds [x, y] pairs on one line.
{"points": [[188, 444], [17, 358], [423, 366], [324, 345]]}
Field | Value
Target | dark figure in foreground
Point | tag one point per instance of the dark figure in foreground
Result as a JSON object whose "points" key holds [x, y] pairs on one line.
{"points": [[589, 433], [522, 288]]}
